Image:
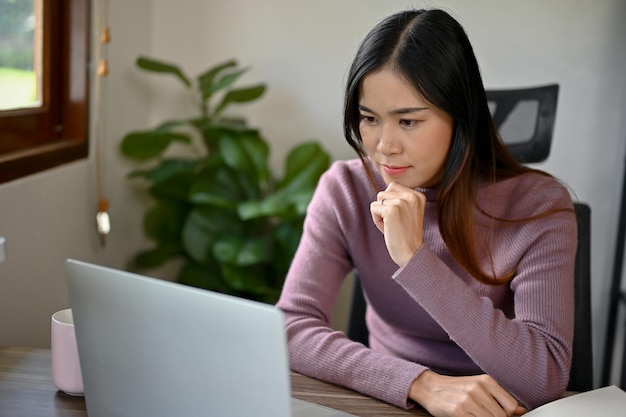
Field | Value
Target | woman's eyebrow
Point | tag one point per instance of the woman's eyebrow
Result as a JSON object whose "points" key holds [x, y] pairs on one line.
{"points": [[403, 110], [406, 110]]}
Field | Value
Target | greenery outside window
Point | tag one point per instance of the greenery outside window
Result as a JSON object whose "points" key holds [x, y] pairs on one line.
{"points": [[44, 57]]}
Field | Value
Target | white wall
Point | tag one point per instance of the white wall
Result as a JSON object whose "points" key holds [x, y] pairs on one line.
{"points": [[302, 51]]}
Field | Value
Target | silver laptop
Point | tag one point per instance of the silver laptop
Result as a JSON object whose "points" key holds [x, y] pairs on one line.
{"points": [[152, 348]]}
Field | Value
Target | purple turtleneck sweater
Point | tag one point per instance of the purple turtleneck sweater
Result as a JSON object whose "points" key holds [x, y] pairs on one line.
{"points": [[431, 314]]}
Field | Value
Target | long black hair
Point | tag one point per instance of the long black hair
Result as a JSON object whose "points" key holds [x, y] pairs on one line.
{"points": [[432, 52]]}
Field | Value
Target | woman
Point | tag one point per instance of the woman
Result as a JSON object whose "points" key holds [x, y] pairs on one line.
{"points": [[465, 256]]}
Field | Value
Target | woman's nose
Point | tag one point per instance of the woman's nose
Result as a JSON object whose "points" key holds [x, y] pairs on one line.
{"points": [[387, 142]]}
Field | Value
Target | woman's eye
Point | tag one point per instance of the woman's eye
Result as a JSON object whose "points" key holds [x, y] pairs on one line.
{"points": [[368, 119], [408, 123]]}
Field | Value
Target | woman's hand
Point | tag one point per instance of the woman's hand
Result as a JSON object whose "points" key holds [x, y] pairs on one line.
{"points": [[447, 396], [398, 213]]}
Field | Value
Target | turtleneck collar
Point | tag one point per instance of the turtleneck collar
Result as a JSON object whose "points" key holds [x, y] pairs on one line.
{"points": [[430, 193]]}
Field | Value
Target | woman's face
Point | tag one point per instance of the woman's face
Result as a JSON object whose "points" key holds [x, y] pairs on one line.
{"points": [[405, 137]]}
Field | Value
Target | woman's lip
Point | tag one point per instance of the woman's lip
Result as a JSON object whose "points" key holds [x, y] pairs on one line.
{"points": [[394, 171]]}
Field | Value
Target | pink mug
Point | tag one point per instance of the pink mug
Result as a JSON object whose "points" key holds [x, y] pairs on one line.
{"points": [[66, 372]]}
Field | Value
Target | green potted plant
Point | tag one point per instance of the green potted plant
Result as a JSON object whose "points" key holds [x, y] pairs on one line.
{"points": [[234, 223]]}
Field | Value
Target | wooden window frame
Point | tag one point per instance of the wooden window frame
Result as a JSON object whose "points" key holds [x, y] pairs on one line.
{"points": [[37, 139]]}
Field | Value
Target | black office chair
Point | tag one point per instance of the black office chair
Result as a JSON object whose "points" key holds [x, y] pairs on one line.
{"points": [[529, 144], [581, 374], [525, 118]]}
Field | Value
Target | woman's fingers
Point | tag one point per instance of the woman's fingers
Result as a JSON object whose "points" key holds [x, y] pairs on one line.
{"points": [[479, 396], [398, 213]]}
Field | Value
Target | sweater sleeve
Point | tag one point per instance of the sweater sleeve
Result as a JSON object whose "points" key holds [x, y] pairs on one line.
{"points": [[529, 354], [320, 265]]}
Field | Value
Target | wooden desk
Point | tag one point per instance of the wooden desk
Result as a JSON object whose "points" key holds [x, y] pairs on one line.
{"points": [[27, 390]]}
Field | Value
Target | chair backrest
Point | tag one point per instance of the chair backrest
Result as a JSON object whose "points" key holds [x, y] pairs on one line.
{"points": [[581, 374], [525, 118]]}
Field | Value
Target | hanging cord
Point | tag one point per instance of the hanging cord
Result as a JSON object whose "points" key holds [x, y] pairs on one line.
{"points": [[102, 217]]}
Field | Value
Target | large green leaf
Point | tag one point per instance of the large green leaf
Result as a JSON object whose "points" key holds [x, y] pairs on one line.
{"points": [[216, 186], [174, 187], [296, 201], [154, 65], [283, 204], [250, 280], [171, 124], [247, 154], [242, 95], [300, 199], [232, 150], [205, 80], [228, 126], [164, 221], [257, 150], [243, 250], [213, 133], [224, 82], [142, 146], [274, 205], [203, 226], [305, 164], [169, 168], [205, 275], [287, 235]]}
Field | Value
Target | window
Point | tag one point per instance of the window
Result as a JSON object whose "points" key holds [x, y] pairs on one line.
{"points": [[44, 53]]}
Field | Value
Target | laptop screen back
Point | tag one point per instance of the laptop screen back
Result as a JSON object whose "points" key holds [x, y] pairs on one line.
{"points": [[149, 347]]}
